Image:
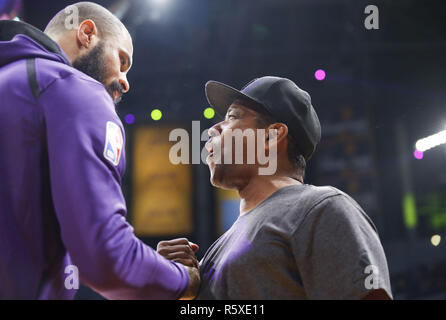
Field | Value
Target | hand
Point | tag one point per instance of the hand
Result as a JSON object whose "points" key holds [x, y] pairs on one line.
{"points": [[194, 284], [179, 250]]}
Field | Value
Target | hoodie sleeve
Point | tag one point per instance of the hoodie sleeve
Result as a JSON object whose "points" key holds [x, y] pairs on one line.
{"points": [[85, 141]]}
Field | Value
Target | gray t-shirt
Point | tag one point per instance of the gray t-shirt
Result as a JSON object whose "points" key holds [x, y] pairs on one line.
{"points": [[303, 242]]}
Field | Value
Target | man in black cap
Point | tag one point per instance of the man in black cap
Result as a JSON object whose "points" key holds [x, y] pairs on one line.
{"points": [[291, 240]]}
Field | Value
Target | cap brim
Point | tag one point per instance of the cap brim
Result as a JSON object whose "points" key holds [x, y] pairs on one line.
{"points": [[220, 96]]}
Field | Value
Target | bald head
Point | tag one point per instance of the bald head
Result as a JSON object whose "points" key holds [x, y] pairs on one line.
{"points": [[96, 43], [71, 17]]}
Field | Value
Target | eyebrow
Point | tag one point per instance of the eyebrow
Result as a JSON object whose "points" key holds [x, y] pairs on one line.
{"points": [[229, 110], [234, 109]]}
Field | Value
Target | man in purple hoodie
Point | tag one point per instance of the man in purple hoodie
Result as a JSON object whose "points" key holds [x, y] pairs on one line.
{"points": [[61, 206]]}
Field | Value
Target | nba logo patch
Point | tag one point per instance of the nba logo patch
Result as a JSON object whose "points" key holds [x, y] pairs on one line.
{"points": [[113, 143]]}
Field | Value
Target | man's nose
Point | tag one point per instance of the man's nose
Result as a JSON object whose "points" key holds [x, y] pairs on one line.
{"points": [[215, 130], [124, 84]]}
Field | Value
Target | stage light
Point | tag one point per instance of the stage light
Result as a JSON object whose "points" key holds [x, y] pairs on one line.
{"points": [[435, 240], [410, 215], [418, 154], [129, 119], [157, 8], [431, 141], [160, 2], [209, 113], [156, 114], [155, 15], [319, 74]]}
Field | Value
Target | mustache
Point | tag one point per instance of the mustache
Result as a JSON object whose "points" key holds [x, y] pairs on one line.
{"points": [[114, 87]]}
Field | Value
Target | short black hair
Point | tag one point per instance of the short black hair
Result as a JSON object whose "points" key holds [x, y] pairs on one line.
{"points": [[264, 119]]}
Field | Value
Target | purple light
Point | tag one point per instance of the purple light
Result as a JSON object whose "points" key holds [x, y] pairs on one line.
{"points": [[130, 118], [319, 74], [418, 154]]}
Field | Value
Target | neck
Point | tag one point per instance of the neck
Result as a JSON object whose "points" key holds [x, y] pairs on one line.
{"points": [[258, 188], [66, 45]]}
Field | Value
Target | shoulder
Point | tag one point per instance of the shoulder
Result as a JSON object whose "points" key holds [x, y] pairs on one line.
{"points": [[316, 194], [62, 86], [318, 205], [50, 72], [70, 98], [304, 198], [327, 196], [289, 207], [331, 206]]}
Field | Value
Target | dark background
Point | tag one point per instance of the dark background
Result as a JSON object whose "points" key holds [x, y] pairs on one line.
{"points": [[384, 90]]}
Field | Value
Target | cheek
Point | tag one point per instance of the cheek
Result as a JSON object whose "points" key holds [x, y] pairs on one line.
{"points": [[227, 135], [227, 142], [113, 66], [236, 145]]}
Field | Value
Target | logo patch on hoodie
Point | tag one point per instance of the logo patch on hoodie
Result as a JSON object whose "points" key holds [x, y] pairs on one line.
{"points": [[113, 143]]}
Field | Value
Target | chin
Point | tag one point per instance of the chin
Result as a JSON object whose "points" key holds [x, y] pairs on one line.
{"points": [[220, 185], [221, 179], [216, 176], [214, 181]]}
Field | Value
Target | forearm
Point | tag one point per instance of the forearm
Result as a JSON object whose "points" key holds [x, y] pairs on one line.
{"points": [[117, 265]]}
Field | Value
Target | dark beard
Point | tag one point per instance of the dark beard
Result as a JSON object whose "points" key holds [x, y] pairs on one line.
{"points": [[92, 64]]}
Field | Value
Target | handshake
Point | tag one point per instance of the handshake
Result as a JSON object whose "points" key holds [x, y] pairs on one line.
{"points": [[182, 251]]}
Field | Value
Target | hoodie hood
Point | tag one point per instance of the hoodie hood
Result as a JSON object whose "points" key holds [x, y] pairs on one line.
{"points": [[19, 40]]}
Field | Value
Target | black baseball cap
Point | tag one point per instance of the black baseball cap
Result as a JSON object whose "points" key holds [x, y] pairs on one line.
{"points": [[282, 99]]}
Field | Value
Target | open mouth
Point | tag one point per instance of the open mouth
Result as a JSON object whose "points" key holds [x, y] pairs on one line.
{"points": [[210, 155], [210, 148]]}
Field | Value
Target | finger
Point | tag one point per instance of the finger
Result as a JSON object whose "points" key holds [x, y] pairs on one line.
{"points": [[186, 262], [178, 241], [173, 242], [181, 248], [194, 246], [181, 255], [164, 251], [184, 256]]}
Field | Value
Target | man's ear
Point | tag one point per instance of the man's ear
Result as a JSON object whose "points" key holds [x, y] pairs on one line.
{"points": [[276, 135], [277, 130], [87, 33]]}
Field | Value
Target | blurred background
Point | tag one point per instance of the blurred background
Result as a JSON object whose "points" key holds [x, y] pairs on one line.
{"points": [[377, 93]]}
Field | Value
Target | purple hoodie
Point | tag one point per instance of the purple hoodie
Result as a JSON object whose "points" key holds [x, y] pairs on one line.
{"points": [[61, 164]]}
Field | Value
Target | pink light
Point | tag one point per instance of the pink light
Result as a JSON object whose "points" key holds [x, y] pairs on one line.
{"points": [[418, 154], [319, 74]]}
